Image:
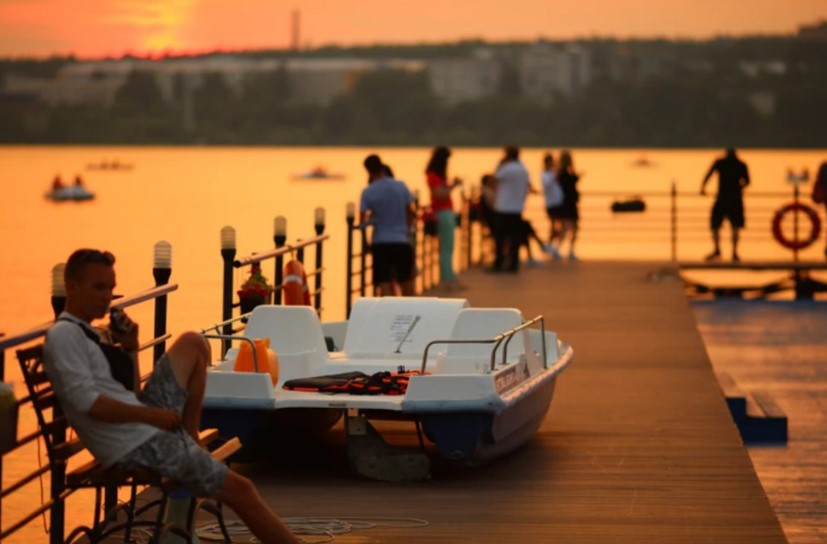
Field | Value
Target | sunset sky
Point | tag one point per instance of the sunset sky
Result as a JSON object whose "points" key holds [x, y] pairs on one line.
{"points": [[96, 28]]}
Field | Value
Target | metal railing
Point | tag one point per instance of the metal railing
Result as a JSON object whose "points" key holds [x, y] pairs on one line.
{"points": [[58, 492], [675, 219], [497, 341], [282, 249]]}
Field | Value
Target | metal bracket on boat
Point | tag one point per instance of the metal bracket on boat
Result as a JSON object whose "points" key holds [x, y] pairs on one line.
{"points": [[232, 337], [497, 341], [217, 327]]}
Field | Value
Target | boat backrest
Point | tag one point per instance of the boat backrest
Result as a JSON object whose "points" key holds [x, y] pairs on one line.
{"points": [[483, 324], [378, 326], [292, 330]]}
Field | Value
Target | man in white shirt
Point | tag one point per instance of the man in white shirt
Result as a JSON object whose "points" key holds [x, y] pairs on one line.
{"points": [[512, 189], [155, 428]]}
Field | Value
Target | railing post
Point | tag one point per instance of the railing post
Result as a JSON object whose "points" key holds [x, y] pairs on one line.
{"points": [[350, 216], [161, 271], [674, 220], [279, 239], [318, 225], [363, 256], [795, 226], [228, 256], [57, 476], [467, 227]]}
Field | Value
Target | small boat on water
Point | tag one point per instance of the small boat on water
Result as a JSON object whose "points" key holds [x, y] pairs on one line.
{"points": [[319, 173], [74, 192], [479, 381]]}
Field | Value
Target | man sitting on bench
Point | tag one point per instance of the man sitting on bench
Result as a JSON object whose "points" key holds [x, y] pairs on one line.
{"points": [[156, 428]]}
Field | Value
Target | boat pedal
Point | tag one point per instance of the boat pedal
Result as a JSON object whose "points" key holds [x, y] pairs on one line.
{"points": [[370, 456]]}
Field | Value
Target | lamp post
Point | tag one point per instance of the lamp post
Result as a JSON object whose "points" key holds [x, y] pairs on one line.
{"points": [[228, 256]]}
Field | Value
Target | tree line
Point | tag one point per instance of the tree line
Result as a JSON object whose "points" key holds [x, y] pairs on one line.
{"points": [[698, 96]]}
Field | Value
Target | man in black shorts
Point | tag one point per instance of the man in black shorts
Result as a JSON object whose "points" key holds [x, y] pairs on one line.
{"points": [[154, 428], [733, 177], [387, 205]]}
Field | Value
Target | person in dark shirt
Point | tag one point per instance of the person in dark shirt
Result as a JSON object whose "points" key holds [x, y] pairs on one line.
{"points": [[733, 177]]}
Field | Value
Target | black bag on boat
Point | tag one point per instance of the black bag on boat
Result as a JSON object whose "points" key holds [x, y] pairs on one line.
{"points": [[120, 363], [332, 383]]}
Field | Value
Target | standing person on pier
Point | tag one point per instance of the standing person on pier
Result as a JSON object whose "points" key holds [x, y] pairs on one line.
{"points": [[388, 205], [156, 428], [733, 177], [554, 203], [512, 188], [568, 211], [437, 177], [819, 194]]}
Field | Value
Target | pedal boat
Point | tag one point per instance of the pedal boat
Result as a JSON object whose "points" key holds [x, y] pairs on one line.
{"points": [[488, 376]]}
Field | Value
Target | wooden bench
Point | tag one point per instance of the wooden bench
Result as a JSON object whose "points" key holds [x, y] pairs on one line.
{"points": [[53, 427]]}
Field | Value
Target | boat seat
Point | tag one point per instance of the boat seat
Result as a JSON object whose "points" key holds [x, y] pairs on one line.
{"points": [[292, 330], [377, 326], [480, 324]]}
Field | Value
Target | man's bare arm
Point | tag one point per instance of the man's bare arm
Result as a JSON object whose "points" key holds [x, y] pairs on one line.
{"points": [[113, 411]]}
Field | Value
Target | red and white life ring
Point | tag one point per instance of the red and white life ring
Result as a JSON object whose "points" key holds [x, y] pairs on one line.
{"points": [[795, 207], [295, 285]]}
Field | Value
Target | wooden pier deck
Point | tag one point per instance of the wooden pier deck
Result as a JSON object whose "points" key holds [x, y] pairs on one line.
{"points": [[638, 446]]}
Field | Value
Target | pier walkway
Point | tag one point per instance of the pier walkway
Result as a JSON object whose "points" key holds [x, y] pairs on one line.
{"points": [[638, 446]]}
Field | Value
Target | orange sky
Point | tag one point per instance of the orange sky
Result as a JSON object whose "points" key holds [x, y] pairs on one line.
{"points": [[95, 28]]}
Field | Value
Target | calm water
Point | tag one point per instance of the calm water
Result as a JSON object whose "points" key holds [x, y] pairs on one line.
{"points": [[186, 195]]}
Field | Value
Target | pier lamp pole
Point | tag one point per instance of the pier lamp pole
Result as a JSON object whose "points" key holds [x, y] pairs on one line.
{"points": [[58, 289], [161, 271], [318, 225], [279, 238], [350, 216], [228, 256]]}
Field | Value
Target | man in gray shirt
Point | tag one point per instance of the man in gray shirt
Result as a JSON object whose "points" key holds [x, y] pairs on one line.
{"points": [[155, 428]]}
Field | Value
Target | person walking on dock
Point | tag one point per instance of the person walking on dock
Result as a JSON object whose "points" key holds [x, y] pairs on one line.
{"points": [[156, 428], [388, 205], [733, 177], [554, 203]]}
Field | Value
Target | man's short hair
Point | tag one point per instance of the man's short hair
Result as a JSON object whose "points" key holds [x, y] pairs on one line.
{"points": [[80, 258], [373, 164]]}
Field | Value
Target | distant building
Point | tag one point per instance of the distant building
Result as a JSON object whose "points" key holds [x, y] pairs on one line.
{"points": [[465, 79], [817, 31], [546, 70], [319, 81]]}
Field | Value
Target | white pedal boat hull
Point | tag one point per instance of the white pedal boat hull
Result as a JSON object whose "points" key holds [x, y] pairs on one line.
{"points": [[471, 412]]}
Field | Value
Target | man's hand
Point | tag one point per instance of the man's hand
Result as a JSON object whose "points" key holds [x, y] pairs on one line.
{"points": [[129, 339], [164, 418]]}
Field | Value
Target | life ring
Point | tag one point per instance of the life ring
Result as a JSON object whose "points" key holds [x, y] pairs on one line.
{"points": [[815, 226], [295, 285]]}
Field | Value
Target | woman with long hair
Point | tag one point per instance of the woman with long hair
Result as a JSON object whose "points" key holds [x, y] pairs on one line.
{"points": [[442, 205], [568, 212]]}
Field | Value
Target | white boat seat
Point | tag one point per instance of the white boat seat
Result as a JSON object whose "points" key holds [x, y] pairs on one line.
{"points": [[483, 324], [378, 326], [292, 330]]}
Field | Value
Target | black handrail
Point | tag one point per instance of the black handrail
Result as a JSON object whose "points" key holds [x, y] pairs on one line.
{"points": [[282, 248]]}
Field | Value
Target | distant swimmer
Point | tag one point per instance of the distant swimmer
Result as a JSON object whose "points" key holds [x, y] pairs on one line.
{"points": [[733, 177], [78, 181], [57, 183]]}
